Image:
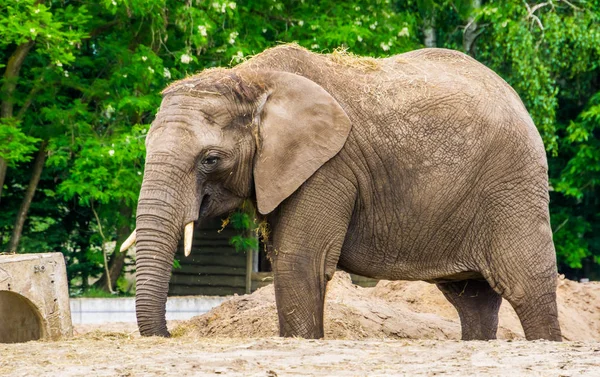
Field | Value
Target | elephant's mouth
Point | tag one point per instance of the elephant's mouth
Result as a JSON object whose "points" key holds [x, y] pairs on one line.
{"points": [[205, 206]]}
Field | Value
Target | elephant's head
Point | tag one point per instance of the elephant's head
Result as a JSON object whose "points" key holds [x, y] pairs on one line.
{"points": [[221, 137]]}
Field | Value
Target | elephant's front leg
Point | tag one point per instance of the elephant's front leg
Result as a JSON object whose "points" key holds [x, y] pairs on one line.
{"points": [[307, 239], [300, 295]]}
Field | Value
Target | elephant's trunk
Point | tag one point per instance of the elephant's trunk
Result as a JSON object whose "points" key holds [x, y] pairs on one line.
{"points": [[161, 214], [155, 248], [154, 261]]}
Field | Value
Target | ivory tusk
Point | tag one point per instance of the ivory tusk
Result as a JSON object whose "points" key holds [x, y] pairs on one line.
{"points": [[187, 238], [128, 242]]}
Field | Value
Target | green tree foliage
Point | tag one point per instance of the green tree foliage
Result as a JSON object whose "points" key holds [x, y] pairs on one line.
{"points": [[17, 146], [90, 80], [50, 36]]}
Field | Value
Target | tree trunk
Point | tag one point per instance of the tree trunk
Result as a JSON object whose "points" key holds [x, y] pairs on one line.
{"points": [[117, 259], [3, 168], [470, 33], [249, 255], [429, 32], [11, 74], [38, 166]]}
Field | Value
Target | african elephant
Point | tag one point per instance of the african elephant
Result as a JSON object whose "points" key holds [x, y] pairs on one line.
{"points": [[421, 166]]}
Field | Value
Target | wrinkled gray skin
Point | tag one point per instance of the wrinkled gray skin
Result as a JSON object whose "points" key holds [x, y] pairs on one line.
{"points": [[426, 167]]}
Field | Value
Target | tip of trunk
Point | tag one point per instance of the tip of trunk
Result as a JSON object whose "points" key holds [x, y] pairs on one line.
{"points": [[149, 329], [164, 334]]}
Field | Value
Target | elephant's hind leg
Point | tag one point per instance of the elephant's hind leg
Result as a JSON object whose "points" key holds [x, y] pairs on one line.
{"points": [[477, 305], [539, 315], [523, 271], [532, 293]]}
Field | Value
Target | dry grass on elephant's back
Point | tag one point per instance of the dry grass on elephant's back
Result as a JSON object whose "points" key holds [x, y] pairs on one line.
{"points": [[391, 310]]}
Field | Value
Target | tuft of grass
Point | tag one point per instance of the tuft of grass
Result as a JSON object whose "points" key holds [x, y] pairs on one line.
{"points": [[262, 230], [224, 223], [180, 331]]}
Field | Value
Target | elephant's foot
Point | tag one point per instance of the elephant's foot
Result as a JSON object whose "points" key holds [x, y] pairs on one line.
{"points": [[300, 302], [300, 330], [539, 317]]}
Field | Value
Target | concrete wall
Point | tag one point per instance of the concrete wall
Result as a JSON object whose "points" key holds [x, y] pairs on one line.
{"points": [[34, 297], [100, 310]]}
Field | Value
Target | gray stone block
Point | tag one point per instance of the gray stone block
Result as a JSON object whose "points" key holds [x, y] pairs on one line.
{"points": [[34, 298]]}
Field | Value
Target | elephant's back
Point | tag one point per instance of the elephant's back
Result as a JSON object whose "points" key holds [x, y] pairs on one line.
{"points": [[447, 98], [430, 74]]}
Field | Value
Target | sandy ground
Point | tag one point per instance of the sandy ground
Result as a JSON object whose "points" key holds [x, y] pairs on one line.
{"points": [[103, 354], [396, 328]]}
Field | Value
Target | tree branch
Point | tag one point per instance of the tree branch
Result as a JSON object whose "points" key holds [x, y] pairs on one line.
{"points": [[38, 166], [470, 32], [531, 12], [569, 4], [10, 77], [29, 99], [106, 271]]}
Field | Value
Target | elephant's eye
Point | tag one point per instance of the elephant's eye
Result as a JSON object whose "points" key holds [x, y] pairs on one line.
{"points": [[210, 161]]}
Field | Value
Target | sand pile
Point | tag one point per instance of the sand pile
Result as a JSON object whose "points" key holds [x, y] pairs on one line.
{"points": [[396, 310]]}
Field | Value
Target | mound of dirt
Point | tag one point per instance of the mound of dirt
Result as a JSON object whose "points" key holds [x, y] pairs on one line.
{"points": [[396, 310]]}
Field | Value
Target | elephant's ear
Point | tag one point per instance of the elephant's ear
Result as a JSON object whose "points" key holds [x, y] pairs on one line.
{"points": [[300, 128]]}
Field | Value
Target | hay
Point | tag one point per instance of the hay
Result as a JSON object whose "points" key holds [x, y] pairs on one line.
{"points": [[108, 335], [263, 230], [342, 56]]}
